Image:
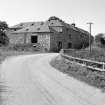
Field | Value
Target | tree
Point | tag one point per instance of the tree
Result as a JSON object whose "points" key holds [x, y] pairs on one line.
{"points": [[99, 37], [3, 37]]}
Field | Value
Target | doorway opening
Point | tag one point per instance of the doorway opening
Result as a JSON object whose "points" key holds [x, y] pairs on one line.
{"points": [[59, 45], [34, 39]]}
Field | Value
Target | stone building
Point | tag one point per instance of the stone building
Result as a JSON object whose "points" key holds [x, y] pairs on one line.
{"points": [[52, 34]]}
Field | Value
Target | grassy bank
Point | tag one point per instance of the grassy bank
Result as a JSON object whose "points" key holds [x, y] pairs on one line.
{"points": [[5, 54], [91, 77]]}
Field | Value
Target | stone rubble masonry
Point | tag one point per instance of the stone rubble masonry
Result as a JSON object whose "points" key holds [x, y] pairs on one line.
{"points": [[25, 38], [49, 41], [50, 36]]}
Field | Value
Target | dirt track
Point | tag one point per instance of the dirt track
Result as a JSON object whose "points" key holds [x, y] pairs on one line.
{"points": [[31, 80]]}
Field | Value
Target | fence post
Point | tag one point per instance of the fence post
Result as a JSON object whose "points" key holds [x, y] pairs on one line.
{"points": [[103, 65], [62, 51]]}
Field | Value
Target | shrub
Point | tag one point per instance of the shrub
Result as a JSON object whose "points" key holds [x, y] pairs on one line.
{"points": [[23, 47]]}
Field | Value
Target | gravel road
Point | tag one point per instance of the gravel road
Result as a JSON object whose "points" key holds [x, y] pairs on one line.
{"points": [[30, 80]]}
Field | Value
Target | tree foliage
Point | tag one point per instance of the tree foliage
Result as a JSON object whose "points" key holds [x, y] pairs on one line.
{"points": [[3, 37], [3, 26], [99, 37]]}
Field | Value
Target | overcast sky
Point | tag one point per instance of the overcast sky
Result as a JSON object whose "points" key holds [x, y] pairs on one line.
{"points": [[78, 11]]}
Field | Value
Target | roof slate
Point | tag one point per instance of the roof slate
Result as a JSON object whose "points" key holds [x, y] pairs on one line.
{"points": [[45, 26], [27, 24], [35, 28]]}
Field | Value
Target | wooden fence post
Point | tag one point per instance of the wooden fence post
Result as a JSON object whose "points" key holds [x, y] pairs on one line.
{"points": [[103, 65], [85, 62], [62, 51]]}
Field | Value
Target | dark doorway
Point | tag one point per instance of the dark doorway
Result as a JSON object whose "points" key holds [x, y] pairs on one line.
{"points": [[34, 39], [69, 45], [59, 45]]}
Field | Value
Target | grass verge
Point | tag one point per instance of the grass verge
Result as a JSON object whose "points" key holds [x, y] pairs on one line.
{"points": [[91, 77], [8, 52]]}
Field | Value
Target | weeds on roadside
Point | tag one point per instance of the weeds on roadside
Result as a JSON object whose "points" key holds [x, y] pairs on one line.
{"points": [[91, 77]]}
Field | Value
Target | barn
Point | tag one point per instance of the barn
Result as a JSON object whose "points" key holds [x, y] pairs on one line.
{"points": [[53, 34]]}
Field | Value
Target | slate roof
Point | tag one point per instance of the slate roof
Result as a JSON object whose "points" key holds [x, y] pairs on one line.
{"points": [[45, 26], [42, 27], [83, 31], [27, 24], [37, 26]]}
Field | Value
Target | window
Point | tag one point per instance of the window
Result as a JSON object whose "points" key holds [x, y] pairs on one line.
{"points": [[58, 29], [69, 45], [14, 29], [34, 39], [32, 24]]}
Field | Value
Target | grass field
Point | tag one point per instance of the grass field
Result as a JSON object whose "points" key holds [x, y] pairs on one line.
{"points": [[96, 54]]}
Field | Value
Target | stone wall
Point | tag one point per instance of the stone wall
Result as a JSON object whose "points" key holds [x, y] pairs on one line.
{"points": [[76, 39], [44, 40], [50, 41], [25, 38], [16, 38], [66, 36]]}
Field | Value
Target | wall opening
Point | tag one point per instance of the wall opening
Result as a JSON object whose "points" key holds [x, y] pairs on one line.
{"points": [[69, 45], [59, 45], [34, 39]]}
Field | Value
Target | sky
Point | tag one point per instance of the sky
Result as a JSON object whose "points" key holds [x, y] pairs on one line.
{"points": [[79, 12]]}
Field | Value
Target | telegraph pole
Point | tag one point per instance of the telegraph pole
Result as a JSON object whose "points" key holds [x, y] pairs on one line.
{"points": [[90, 24]]}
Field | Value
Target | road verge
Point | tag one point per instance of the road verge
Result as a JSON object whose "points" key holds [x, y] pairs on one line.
{"points": [[91, 77]]}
